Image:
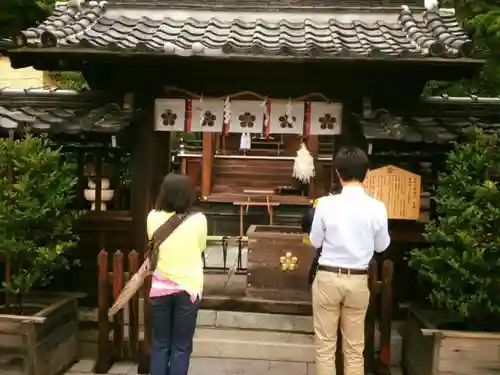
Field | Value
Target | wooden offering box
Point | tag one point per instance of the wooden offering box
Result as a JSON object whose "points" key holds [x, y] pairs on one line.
{"points": [[278, 263]]}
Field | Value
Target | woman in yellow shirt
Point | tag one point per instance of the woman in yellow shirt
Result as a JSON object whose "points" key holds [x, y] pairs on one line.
{"points": [[177, 281]]}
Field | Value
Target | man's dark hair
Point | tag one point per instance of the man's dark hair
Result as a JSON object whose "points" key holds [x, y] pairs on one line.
{"points": [[351, 164], [176, 194]]}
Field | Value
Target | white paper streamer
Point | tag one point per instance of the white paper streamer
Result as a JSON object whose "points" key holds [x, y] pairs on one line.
{"points": [[227, 111], [199, 108], [245, 141], [303, 166], [289, 115]]}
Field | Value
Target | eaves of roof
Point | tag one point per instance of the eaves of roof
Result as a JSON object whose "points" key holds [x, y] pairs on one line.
{"points": [[438, 119], [61, 111], [5, 44]]}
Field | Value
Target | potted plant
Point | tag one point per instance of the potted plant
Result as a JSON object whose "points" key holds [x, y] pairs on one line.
{"points": [[37, 331], [460, 268]]}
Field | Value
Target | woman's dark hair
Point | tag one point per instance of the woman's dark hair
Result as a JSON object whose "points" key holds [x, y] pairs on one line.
{"points": [[351, 164], [176, 194]]}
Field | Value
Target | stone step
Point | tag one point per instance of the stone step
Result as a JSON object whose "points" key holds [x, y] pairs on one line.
{"points": [[274, 337], [247, 344], [231, 320], [232, 343], [255, 321], [216, 366]]}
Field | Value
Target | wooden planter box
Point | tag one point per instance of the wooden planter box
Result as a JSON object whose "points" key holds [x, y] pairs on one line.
{"points": [[431, 351], [266, 279], [43, 343]]}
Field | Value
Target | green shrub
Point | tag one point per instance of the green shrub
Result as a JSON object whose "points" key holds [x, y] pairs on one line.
{"points": [[36, 226], [462, 263]]}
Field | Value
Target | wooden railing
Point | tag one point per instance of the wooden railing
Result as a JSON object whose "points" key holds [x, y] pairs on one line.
{"points": [[120, 339], [116, 347]]}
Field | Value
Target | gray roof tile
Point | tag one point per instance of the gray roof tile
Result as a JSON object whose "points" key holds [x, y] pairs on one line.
{"points": [[5, 44], [436, 120], [269, 4], [224, 33], [61, 111]]}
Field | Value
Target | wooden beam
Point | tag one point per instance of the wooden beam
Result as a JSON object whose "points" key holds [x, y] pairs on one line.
{"points": [[206, 164], [313, 146]]}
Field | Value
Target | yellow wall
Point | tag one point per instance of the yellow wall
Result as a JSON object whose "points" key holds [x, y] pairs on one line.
{"points": [[21, 78]]}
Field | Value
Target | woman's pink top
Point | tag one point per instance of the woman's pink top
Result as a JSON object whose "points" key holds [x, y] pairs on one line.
{"points": [[161, 286]]}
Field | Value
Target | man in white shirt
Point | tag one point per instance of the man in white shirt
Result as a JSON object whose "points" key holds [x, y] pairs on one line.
{"points": [[349, 227]]}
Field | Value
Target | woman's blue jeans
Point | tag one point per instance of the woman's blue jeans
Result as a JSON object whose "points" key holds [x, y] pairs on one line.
{"points": [[173, 322]]}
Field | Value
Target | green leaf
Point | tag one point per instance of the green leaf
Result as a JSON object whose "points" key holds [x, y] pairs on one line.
{"points": [[36, 224], [461, 265]]}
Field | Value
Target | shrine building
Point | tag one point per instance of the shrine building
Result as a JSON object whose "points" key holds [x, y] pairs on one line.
{"points": [[230, 90]]}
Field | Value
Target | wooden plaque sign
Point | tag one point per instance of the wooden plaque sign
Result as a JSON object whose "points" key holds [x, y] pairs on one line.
{"points": [[398, 189]]}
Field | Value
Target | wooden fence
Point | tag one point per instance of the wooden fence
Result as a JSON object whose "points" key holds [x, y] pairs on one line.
{"points": [[123, 339], [119, 345], [379, 313]]}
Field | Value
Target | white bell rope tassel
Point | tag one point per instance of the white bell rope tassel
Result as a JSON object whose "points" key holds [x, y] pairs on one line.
{"points": [[303, 166]]}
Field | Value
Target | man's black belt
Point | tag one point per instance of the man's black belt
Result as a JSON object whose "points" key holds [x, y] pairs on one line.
{"points": [[344, 271]]}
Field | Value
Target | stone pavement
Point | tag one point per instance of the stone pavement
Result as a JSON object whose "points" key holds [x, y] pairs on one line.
{"points": [[214, 256], [210, 366]]}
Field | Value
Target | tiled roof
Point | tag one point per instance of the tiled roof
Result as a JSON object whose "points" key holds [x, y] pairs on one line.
{"points": [[61, 111], [223, 33], [368, 5], [5, 44], [472, 102], [436, 120]]}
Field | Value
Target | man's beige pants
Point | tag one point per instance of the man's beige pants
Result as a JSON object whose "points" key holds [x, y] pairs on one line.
{"points": [[339, 296]]}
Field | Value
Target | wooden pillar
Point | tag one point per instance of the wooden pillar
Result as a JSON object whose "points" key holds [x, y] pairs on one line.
{"points": [[223, 144], [183, 165], [313, 146], [218, 141], [142, 165], [351, 134], [335, 186], [148, 161], [161, 160], [206, 164]]}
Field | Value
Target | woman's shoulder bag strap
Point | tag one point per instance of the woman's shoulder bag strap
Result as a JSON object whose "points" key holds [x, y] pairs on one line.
{"points": [[161, 234]]}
